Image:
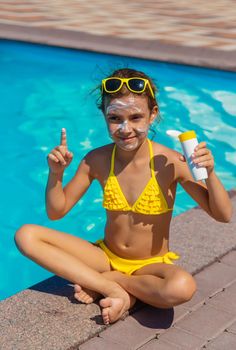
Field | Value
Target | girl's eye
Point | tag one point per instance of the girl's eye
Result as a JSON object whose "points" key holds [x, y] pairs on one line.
{"points": [[113, 118], [136, 117]]}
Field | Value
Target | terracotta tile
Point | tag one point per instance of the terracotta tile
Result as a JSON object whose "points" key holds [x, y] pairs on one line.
{"points": [[223, 35], [223, 341], [139, 328], [208, 281], [179, 312], [23, 18], [160, 345], [230, 258], [227, 48], [232, 328], [183, 339], [197, 301], [4, 9], [206, 322], [231, 288], [99, 343], [225, 300]]}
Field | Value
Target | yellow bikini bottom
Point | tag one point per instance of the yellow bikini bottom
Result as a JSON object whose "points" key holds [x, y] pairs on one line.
{"points": [[128, 266]]}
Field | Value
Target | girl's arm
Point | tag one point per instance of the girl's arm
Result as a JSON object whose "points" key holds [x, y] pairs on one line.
{"points": [[58, 200], [212, 196], [219, 201], [55, 198]]}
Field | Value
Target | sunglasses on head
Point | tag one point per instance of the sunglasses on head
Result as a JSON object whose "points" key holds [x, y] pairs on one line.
{"points": [[136, 85]]}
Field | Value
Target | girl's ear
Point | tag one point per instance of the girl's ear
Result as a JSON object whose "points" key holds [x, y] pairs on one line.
{"points": [[153, 114]]}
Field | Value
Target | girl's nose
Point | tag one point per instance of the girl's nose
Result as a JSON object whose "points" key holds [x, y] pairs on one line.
{"points": [[125, 127]]}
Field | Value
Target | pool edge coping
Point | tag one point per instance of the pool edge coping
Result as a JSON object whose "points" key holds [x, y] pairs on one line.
{"points": [[138, 48]]}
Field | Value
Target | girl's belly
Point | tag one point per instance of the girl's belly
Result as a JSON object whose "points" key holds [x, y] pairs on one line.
{"points": [[135, 236]]}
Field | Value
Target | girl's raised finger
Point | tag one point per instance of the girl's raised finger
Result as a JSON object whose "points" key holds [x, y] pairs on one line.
{"points": [[62, 149], [63, 137]]}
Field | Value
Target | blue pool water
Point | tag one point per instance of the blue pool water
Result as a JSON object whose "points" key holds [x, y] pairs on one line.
{"points": [[43, 89]]}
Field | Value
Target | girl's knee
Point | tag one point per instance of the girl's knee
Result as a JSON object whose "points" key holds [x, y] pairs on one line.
{"points": [[181, 288], [187, 288], [23, 237]]}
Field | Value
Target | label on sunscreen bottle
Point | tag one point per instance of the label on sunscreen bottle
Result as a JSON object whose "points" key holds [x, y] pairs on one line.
{"points": [[189, 141]]}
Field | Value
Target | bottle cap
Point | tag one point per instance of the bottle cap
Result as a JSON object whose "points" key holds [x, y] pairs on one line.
{"points": [[187, 135]]}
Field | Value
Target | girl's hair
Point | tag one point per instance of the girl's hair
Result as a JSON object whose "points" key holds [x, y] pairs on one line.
{"points": [[128, 73]]}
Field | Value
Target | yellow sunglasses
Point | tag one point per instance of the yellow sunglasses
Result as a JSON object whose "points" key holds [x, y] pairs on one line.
{"points": [[136, 85]]}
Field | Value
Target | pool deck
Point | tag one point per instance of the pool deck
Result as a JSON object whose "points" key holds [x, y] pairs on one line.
{"points": [[46, 316], [190, 32]]}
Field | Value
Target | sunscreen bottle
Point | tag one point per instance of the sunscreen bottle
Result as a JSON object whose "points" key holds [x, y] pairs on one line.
{"points": [[189, 141]]}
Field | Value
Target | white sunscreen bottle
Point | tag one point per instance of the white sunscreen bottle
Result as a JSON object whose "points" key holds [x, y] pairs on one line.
{"points": [[189, 141]]}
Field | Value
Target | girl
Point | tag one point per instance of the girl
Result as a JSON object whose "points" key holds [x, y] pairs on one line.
{"points": [[139, 179]]}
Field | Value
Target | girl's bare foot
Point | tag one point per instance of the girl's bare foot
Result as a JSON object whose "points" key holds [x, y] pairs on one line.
{"points": [[116, 305], [85, 295]]}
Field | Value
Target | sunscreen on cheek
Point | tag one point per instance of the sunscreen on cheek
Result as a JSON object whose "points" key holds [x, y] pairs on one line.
{"points": [[142, 131]]}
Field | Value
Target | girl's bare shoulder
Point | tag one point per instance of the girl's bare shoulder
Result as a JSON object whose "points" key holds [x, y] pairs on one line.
{"points": [[99, 154], [99, 159], [171, 155], [167, 158]]}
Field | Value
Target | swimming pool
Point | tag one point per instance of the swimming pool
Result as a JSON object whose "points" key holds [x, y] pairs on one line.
{"points": [[46, 88]]}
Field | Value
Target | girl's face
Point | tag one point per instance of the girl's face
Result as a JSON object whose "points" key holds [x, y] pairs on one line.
{"points": [[128, 119]]}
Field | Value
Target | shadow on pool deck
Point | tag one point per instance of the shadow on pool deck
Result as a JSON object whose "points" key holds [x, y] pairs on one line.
{"points": [[46, 316]]}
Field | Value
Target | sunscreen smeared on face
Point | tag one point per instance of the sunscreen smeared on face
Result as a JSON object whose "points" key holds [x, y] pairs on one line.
{"points": [[127, 134], [128, 105]]}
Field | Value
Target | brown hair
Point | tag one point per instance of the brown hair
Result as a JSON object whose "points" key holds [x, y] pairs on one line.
{"points": [[128, 73]]}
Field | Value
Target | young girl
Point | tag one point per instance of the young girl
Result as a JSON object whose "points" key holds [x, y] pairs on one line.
{"points": [[139, 179]]}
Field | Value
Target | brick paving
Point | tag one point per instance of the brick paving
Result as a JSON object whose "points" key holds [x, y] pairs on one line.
{"points": [[194, 23], [208, 321], [192, 32]]}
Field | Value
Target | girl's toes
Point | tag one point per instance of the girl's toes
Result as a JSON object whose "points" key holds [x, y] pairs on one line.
{"points": [[88, 299], [106, 320], [80, 297], [105, 316], [77, 296], [77, 288], [105, 302]]}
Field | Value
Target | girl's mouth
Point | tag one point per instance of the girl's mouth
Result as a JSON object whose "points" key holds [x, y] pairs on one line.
{"points": [[127, 139]]}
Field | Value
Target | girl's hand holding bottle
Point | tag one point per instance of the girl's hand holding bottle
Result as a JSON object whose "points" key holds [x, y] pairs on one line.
{"points": [[60, 158], [198, 156], [203, 157]]}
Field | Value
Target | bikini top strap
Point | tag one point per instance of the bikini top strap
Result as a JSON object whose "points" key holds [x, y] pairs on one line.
{"points": [[112, 160], [151, 158]]}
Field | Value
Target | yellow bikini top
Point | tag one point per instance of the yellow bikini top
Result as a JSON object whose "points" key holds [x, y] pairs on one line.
{"points": [[150, 202]]}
